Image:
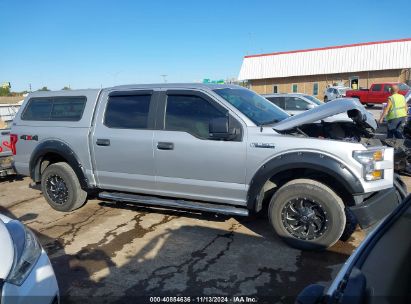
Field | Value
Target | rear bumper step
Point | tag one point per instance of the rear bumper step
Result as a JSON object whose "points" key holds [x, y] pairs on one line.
{"points": [[171, 203]]}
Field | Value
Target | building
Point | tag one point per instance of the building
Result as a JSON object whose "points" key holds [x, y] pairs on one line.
{"points": [[311, 71]]}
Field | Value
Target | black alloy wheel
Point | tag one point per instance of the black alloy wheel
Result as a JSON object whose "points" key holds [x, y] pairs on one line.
{"points": [[57, 189], [304, 218]]}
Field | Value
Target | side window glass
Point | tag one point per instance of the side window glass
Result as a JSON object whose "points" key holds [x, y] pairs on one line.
{"points": [[68, 108], [387, 88], [38, 109], [278, 101], [127, 112], [376, 88], [191, 114], [295, 103]]}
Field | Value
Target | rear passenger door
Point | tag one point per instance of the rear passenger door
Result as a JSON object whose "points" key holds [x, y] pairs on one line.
{"points": [[122, 141], [188, 163]]}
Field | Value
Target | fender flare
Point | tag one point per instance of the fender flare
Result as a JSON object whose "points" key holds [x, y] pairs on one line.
{"points": [[302, 160], [61, 149]]}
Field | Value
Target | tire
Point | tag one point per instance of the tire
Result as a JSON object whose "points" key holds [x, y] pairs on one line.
{"points": [[325, 99], [61, 188], [370, 105], [323, 210]]}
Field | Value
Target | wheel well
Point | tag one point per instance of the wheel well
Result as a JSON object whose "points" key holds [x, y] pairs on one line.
{"points": [[45, 161], [283, 177]]}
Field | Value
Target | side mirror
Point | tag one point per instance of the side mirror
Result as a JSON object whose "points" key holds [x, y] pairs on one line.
{"points": [[219, 129], [312, 294]]}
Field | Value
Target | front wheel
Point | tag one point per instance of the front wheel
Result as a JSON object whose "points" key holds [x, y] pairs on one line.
{"points": [[307, 214], [61, 187]]}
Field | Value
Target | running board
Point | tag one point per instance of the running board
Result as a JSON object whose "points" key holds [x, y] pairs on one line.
{"points": [[171, 203]]}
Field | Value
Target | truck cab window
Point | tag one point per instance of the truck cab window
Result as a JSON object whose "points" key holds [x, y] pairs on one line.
{"points": [[376, 88], [387, 88], [60, 108], [191, 114], [127, 112]]}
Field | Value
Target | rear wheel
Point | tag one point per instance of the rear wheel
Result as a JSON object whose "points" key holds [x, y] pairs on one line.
{"points": [[325, 99], [61, 187], [307, 214]]}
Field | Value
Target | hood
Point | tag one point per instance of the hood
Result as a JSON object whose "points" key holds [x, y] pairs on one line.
{"points": [[7, 248], [351, 109]]}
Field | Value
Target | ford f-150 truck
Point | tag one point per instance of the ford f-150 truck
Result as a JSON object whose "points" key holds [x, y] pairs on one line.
{"points": [[378, 93], [208, 147]]}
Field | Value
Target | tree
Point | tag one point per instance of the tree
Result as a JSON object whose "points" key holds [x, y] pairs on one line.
{"points": [[66, 88], [43, 89], [4, 91]]}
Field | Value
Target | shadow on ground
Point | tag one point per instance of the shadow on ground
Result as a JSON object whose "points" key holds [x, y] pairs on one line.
{"points": [[182, 260]]}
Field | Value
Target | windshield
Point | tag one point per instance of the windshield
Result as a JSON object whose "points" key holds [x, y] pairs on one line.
{"points": [[403, 87], [313, 99], [258, 109], [342, 91]]}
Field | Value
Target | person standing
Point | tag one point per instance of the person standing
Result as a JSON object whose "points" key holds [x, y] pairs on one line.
{"points": [[396, 113]]}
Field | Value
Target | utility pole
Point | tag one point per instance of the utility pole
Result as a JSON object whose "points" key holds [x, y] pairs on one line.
{"points": [[164, 78]]}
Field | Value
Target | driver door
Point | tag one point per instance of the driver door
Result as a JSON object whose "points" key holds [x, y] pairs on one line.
{"points": [[188, 163]]}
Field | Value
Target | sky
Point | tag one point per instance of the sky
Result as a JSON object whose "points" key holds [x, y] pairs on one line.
{"points": [[93, 44]]}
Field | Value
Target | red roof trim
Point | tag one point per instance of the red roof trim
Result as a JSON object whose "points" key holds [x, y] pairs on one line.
{"points": [[328, 48]]}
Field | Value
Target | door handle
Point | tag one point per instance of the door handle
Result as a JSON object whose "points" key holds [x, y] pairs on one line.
{"points": [[165, 146], [103, 142]]}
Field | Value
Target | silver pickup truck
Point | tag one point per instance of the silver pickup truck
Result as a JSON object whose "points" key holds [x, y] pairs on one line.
{"points": [[218, 148]]}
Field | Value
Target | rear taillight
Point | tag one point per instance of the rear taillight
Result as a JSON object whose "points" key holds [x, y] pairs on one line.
{"points": [[13, 141]]}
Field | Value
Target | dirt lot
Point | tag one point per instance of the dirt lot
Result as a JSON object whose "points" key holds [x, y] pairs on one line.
{"points": [[117, 252]]}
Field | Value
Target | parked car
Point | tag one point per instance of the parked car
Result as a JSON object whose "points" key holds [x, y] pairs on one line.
{"points": [[377, 94], [208, 147], [335, 92], [379, 271], [294, 103], [5, 153], [26, 275]]}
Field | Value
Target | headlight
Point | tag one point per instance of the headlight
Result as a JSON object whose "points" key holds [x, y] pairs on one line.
{"points": [[368, 159], [27, 250]]}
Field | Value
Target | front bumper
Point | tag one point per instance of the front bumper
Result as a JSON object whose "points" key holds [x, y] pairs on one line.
{"points": [[376, 207]]}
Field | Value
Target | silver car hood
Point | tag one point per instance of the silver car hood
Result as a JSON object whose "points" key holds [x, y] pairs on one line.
{"points": [[350, 106]]}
